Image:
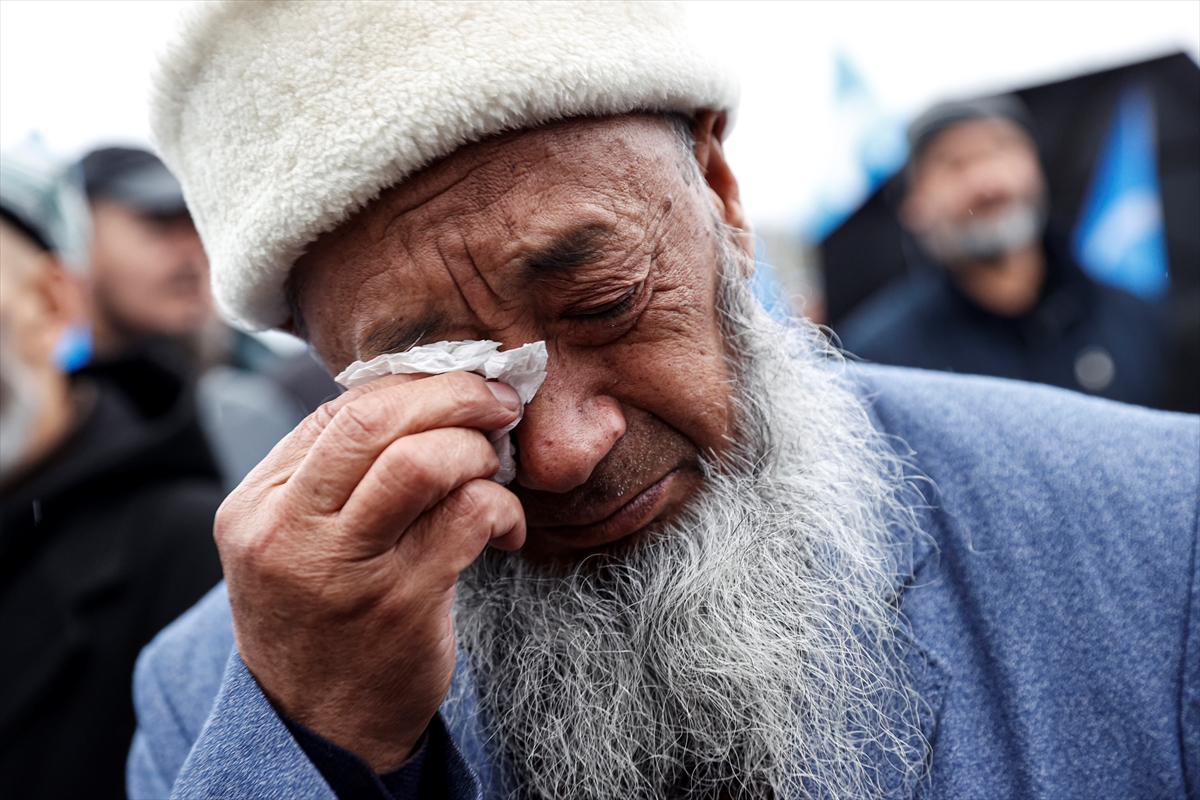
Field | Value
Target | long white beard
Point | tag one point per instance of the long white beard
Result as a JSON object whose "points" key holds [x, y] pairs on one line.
{"points": [[747, 648]]}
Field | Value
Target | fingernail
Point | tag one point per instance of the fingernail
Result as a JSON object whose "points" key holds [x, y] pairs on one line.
{"points": [[507, 395]]}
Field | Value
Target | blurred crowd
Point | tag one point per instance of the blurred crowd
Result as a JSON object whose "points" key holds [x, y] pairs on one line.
{"points": [[128, 410]]}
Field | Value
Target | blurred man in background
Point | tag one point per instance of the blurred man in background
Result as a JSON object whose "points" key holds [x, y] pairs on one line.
{"points": [[108, 494], [149, 272], [1004, 296], [150, 297]]}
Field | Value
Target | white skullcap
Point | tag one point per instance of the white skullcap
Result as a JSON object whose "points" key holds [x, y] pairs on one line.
{"points": [[282, 119]]}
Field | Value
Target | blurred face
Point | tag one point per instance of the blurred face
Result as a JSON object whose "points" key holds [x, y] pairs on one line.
{"points": [[150, 274], [28, 331], [591, 236], [37, 301], [977, 192]]}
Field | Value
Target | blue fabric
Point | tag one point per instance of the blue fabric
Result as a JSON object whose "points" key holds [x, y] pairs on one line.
{"points": [[1119, 238], [1062, 602], [1053, 611]]}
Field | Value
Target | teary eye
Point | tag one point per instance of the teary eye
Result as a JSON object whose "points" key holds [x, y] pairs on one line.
{"points": [[612, 311]]}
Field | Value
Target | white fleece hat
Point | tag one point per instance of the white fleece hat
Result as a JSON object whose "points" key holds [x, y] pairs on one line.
{"points": [[282, 119]]}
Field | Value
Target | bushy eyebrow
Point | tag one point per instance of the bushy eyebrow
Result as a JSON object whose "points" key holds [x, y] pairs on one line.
{"points": [[568, 251], [397, 335], [571, 250]]}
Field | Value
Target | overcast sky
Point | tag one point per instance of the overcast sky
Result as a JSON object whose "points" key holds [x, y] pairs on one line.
{"points": [[77, 72]]}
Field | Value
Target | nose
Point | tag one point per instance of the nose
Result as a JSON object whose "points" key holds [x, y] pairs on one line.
{"points": [[564, 435], [992, 186]]}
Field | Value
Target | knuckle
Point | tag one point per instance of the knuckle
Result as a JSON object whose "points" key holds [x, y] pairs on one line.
{"points": [[474, 501], [472, 450], [487, 453], [325, 413], [431, 467], [409, 462], [319, 419], [225, 525], [479, 510], [233, 517], [464, 389], [266, 551], [258, 559], [359, 420]]}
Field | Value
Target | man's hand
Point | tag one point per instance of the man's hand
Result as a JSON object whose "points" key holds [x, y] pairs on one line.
{"points": [[342, 548]]}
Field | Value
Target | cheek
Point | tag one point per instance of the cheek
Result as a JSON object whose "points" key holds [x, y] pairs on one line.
{"points": [[959, 193], [133, 271], [36, 335], [117, 284], [1027, 178], [677, 359], [674, 367], [126, 255]]}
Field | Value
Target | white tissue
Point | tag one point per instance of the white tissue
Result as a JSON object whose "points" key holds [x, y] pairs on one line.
{"points": [[523, 369]]}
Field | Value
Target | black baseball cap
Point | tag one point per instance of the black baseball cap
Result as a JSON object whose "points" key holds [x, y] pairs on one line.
{"points": [[134, 177]]}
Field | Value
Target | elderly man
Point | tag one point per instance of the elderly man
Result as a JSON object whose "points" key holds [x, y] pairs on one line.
{"points": [[720, 571]]}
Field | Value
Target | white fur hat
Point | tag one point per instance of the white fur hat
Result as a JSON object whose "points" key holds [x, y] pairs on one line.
{"points": [[282, 119]]}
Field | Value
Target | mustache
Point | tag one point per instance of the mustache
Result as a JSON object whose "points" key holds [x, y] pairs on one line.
{"points": [[648, 450], [988, 238]]}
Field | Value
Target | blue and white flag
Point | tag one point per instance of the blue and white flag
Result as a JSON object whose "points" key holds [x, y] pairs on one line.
{"points": [[870, 148], [1119, 237]]}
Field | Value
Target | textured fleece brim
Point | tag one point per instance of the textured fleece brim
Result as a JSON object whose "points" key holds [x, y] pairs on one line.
{"points": [[281, 119]]}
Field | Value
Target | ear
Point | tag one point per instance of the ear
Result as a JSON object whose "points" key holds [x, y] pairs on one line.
{"points": [[61, 299], [722, 185]]}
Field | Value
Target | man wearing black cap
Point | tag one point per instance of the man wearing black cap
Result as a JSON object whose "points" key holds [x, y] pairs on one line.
{"points": [[149, 271], [150, 297], [998, 292]]}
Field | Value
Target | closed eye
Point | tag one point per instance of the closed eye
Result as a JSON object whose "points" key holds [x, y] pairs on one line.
{"points": [[613, 311]]}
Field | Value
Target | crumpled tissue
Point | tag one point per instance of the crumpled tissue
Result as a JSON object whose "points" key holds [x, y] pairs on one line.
{"points": [[523, 368]]}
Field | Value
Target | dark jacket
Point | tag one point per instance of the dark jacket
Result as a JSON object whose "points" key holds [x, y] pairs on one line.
{"points": [[108, 540], [1080, 335]]}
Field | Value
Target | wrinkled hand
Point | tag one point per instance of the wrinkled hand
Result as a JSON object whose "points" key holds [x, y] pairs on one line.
{"points": [[342, 548]]}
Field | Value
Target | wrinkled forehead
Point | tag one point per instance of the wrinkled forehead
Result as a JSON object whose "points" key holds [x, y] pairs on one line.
{"points": [[615, 154], [501, 197]]}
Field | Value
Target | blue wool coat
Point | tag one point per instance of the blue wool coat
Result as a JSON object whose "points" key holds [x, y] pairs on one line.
{"points": [[1053, 615]]}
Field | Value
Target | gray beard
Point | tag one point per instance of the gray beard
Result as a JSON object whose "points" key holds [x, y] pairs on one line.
{"points": [[987, 239], [19, 404], [746, 648]]}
